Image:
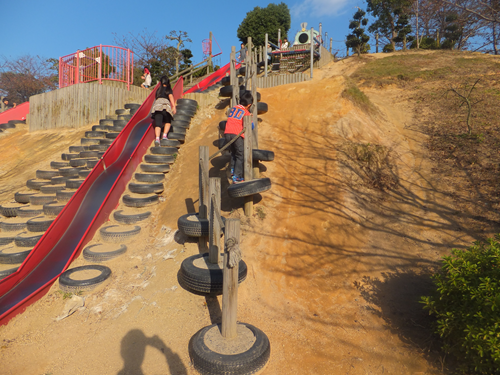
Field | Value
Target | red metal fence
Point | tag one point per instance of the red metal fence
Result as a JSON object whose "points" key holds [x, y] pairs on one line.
{"points": [[97, 64]]}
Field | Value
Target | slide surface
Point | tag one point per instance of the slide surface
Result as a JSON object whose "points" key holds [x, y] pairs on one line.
{"points": [[18, 113], [87, 210]]}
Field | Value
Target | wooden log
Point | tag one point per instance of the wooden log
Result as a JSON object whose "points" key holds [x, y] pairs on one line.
{"points": [[265, 55], [203, 194], [214, 232], [232, 77], [230, 284], [247, 163]]}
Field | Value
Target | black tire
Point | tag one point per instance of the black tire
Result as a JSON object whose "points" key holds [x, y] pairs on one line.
{"points": [[67, 284], [90, 253], [159, 159], [155, 168], [59, 164], [179, 137], [149, 177], [7, 238], [98, 147], [227, 91], [23, 196], [10, 209], [205, 281], [242, 71], [13, 225], [64, 195], [27, 239], [178, 129], [120, 123], [46, 175], [124, 217], [191, 225], [146, 188], [170, 143], [105, 141], [112, 135], [185, 112], [30, 211], [247, 188], [121, 234], [131, 201], [69, 157], [222, 125], [221, 142], [92, 163], [251, 361], [41, 199], [101, 128], [11, 124], [74, 183], [89, 141], [71, 172], [163, 150], [53, 208], [226, 81], [122, 112], [89, 154], [261, 108], [95, 134], [39, 224], [78, 149], [112, 117], [78, 163], [105, 122], [5, 273], [182, 118], [83, 174], [59, 180], [125, 118], [36, 184], [180, 124], [187, 101], [262, 155], [132, 106], [52, 189], [9, 255]]}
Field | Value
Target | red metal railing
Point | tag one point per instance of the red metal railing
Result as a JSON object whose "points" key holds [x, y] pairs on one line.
{"points": [[97, 64]]}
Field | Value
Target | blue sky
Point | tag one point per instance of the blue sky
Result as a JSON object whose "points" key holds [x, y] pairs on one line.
{"points": [[55, 28]]}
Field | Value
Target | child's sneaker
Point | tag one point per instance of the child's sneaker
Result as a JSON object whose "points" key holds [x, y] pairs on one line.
{"points": [[165, 136], [157, 142], [232, 172], [237, 179]]}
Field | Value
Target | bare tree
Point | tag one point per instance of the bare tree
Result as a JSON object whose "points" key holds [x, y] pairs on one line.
{"points": [[486, 10], [180, 37], [464, 94], [26, 76]]}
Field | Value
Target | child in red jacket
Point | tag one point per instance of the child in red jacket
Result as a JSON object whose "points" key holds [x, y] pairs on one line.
{"points": [[234, 126]]}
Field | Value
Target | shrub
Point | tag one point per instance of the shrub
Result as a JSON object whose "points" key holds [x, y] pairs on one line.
{"points": [[388, 48], [466, 305]]}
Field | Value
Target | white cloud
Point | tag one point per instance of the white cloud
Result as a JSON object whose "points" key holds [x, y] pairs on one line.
{"points": [[319, 8]]}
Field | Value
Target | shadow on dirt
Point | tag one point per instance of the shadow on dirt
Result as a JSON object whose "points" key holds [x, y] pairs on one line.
{"points": [[133, 349]]}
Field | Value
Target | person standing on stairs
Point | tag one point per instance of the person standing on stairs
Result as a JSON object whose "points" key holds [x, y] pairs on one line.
{"points": [[163, 109]]}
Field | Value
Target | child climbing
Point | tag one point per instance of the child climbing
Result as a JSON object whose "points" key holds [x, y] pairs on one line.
{"points": [[234, 126], [163, 109]]}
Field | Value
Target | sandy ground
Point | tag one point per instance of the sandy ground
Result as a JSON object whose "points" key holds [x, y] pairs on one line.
{"points": [[335, 269]]}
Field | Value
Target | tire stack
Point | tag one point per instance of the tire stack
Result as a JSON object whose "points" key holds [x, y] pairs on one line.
{"points": [[143, 191], [25, 219]]}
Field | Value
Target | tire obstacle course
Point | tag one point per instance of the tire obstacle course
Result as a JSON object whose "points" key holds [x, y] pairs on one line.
{"points": [[230, 347]]}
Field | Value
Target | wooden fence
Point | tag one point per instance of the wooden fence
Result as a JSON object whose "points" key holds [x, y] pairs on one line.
{"points": [[281, 79], [81, 104]]}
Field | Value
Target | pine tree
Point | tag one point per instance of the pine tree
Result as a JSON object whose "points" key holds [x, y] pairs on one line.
{"points": [[358, 40]]}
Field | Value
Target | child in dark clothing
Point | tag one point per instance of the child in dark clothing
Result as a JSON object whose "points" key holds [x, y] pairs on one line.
{"points": [[234, 126]]}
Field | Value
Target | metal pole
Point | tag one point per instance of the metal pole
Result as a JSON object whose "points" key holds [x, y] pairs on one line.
{"points": [[312, 51], [60, 74], [265, 56], [77, 66], [99, 66]]}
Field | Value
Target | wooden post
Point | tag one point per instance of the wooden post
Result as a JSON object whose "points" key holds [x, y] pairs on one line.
{"points": [[247, 161], [204, 194], [376, 43], [2, 106], [265, 56], [312, 52], [331, 41], [209, 62], [230, 284], [248, 60], [279, 38], [233, 79], [214, 232], [320, 38]]}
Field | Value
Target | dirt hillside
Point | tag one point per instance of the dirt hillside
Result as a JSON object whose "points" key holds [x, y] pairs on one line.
{"points": [[336, 266]]}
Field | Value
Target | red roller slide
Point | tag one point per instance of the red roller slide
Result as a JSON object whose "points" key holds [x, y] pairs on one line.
{"points": [[87, 210], [18, 113]]}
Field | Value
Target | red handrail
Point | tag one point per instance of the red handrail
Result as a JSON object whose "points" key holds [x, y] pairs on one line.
{"points": [[97, 64]]}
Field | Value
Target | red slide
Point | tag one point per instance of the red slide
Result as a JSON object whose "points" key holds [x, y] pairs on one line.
{"points": [[212, 79], [87, 210], [18, 113]]}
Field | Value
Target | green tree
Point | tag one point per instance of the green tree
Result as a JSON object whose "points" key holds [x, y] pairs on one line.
{"points": [[268, 20], [358, 40], [387, 13], [403, 29]]}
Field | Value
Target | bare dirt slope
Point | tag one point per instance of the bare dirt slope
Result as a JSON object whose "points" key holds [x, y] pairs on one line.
{"points": [[336, 267]]}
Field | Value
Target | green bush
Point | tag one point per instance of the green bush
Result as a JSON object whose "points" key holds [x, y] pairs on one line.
{"points": [[467, 306], [388, 48]]}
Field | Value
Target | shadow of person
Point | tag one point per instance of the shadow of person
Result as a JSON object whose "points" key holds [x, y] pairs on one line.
{"points": [[133, 349]]}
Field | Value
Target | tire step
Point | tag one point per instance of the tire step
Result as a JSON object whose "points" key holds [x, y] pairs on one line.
{"points": [[119, 233], [131, 215], [30, 210]]}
